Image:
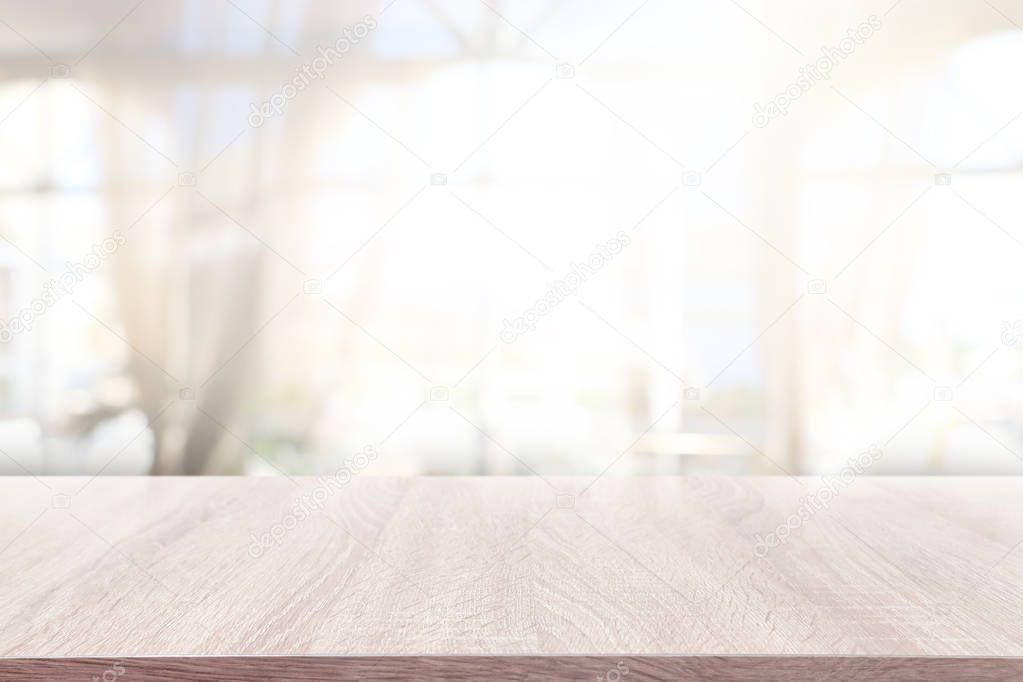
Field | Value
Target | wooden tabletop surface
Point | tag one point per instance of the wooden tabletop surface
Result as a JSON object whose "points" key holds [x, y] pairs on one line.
{"points": [[517, 575]]}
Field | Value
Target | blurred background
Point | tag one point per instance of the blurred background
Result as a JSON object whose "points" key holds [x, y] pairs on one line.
{"points": [[510, 236]]}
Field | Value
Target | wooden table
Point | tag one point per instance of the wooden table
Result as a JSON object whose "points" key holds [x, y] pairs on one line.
{"points": [[511, 578]]}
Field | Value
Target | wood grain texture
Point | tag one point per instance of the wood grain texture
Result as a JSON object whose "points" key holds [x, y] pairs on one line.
{"points": [[525, 668], [922, 573]]}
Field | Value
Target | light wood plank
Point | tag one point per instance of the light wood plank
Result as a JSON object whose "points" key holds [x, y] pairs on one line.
{"points": [[927, 569]]}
